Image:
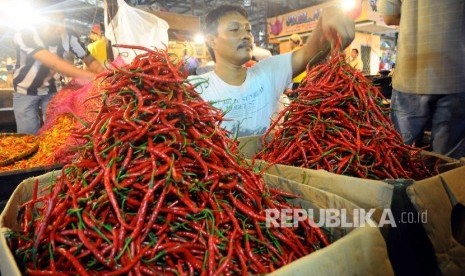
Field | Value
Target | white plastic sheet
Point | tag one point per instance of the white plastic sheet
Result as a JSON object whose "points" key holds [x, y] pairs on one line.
{"points": [[260, 53], [133, 26]]}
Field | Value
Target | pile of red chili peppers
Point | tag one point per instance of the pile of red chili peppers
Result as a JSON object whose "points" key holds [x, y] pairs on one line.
{"points": [[158, 188], [338, 123]]}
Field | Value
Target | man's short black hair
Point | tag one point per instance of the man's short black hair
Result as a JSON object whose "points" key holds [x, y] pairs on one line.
{"points": [[213, 18], [356, 50]]}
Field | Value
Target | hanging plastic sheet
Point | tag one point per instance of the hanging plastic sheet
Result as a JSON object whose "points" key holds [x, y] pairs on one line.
{"points": [[135, 27]]}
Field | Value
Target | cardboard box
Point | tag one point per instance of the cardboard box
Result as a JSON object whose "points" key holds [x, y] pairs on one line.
{"points": [[362, 251], [442, 198], [356, 251], [8, 219], [9, 180], [404, 241]]}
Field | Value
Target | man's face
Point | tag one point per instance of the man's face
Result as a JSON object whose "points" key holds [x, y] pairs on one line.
{"points": [[234, 41], [292, 44], [54, 27], [93, 36], [353, 54]]}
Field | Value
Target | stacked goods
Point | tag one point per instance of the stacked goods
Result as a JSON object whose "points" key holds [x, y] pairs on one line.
{"points": [[338, 123], [49, 141], [158, 188]]}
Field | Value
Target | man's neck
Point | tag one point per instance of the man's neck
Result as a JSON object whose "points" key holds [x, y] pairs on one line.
{"points": [[231, 74]]}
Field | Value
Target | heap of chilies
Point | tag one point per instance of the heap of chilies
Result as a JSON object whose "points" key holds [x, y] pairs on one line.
{"points": [[338, 122], [158, 189]]}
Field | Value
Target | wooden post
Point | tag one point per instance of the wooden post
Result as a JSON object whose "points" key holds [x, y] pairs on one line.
{"points": [[110, 7]]}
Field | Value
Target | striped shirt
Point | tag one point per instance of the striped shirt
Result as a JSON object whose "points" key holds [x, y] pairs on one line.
{"points": [[33, 78], [431, 45]]}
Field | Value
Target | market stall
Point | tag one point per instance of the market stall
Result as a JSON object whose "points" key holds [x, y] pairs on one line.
{"points": [[175, 195], [133, 173], [370, 29]]}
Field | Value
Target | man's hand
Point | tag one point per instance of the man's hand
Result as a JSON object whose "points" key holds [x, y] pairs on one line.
{"points": [[334, 24]]}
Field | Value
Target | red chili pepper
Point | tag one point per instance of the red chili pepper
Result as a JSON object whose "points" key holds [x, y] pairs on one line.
{"points": [[337, 104], [77, 265], [157, 185]]}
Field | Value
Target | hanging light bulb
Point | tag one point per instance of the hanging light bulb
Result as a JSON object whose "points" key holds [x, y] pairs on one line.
{"points": [[19, 14], [199, 39], [348, 5]]}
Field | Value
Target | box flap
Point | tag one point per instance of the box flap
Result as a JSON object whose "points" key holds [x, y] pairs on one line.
{"points": [[435, 196], [345, 257], [454, 183]]}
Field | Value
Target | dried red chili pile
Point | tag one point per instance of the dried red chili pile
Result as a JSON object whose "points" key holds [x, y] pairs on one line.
{"points": [[157, 189], [66, 111], [52, 145], [338, 122]]}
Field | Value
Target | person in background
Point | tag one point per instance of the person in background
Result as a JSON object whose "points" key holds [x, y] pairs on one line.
{"points": [[206, 65], [250, 94], [190, 62], [260, 53], [295, 42], [98, 46], [10, 65], [429, 80], [40, 53], [355, 61]]}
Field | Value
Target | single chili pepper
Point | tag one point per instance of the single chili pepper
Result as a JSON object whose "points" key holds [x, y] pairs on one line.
{"points": [[77, 265]]}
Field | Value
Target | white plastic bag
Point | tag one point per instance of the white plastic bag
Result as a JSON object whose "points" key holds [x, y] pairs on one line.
{"points": [[133, 26]]}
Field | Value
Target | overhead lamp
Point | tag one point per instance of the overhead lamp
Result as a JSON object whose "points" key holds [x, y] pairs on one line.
{"points": [[199, 39], [348, 5], [19, 14]]}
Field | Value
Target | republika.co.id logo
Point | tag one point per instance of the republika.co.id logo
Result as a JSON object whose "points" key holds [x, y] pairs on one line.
{"points": [[339, 218]]}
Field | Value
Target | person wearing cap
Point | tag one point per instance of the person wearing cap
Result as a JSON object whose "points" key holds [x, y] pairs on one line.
{"points": [[98, 46], [295, 41], [40, 56], [250, 95]]}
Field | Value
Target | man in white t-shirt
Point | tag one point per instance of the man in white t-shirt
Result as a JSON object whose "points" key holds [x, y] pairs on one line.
{"points": [[249, 96]]}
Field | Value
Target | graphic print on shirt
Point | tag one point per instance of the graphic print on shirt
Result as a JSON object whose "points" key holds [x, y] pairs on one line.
{"points": [[251, 104]]}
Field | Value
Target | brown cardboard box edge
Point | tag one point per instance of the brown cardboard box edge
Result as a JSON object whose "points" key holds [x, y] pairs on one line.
{"points": [[437, 196]]}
